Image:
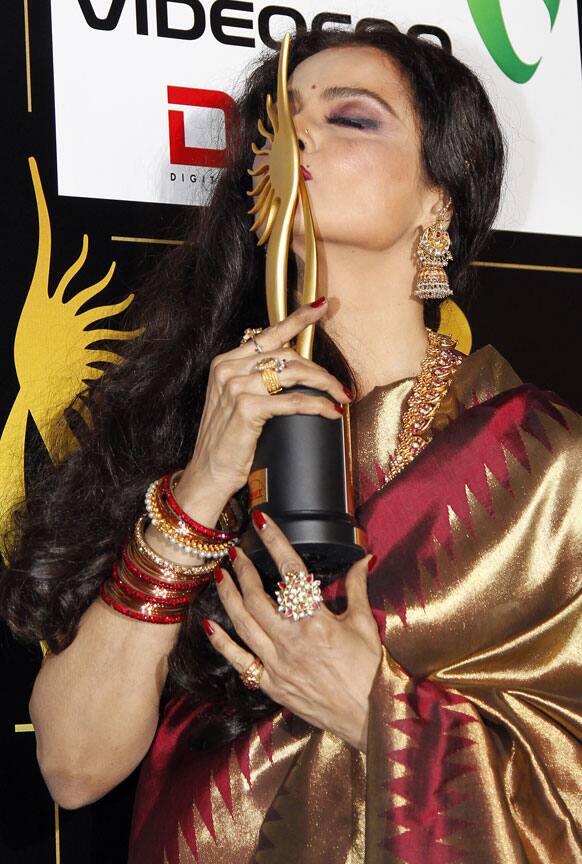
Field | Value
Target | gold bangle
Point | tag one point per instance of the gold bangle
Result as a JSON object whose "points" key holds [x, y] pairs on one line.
{"points": [[163, 512], [145, 570], [178, 531], [165, 566]]}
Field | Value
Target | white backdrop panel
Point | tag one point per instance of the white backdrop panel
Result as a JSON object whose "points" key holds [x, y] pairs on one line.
{"points": [[112, 108]]}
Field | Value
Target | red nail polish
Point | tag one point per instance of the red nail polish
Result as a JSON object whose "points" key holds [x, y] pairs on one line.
{"points": [[348, 393], [372, 563], [259, 519], [232, 553], [207, 626], [218, 574], [319, 302], [339, 409]]}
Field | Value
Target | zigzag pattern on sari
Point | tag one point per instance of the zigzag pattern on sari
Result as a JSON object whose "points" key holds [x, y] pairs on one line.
{"points": [[473, 753], [467, 513], [468, 460]]}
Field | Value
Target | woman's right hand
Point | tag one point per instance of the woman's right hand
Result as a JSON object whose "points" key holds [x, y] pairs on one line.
{"points": [[238, 405]]}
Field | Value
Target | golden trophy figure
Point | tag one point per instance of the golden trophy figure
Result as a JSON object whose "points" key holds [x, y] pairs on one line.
{"points": [[301, 475]]}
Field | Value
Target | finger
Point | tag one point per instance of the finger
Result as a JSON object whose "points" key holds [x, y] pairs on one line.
{"points": [[256, 600], [247, 627], [238, 657], [357, 585], [279, 548], [279, 334], [251, 408], [293, 374], [305, 371]]}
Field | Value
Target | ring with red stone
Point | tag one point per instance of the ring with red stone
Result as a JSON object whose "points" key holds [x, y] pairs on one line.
{"points": [[299, 594], [251, 677]]}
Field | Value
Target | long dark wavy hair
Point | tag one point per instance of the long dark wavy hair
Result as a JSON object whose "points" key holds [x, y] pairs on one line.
{"points": [[145, 412]]}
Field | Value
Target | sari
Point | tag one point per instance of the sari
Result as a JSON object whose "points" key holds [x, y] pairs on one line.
{"points": [[473, 750]]}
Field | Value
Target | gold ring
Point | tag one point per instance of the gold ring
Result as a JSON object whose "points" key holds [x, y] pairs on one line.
{"points": [[276, 363], [251, 677], [268, 367], [271, 381], [251, 333]]}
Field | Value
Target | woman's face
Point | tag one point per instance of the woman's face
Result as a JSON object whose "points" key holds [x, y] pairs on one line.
{"points": [[361, 149]]}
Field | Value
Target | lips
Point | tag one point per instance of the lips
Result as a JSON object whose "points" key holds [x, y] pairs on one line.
{"points": [[306, 173]]}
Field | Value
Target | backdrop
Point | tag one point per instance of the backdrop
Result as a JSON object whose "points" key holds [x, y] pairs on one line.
{"points": [[116, 114]]}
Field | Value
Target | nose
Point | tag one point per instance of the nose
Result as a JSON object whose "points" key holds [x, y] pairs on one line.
{"points": [[304, 138], [304, 135]]}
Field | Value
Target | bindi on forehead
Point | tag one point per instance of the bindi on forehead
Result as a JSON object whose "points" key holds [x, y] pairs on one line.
{"points": [[294, 93], [375, 71], [344, 92]]}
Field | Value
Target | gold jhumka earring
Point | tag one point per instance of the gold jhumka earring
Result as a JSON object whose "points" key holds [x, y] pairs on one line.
{"points": [[432, 282]]}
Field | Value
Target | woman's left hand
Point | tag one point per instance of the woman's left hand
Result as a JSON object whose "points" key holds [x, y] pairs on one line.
{"points": [[320, 667]]}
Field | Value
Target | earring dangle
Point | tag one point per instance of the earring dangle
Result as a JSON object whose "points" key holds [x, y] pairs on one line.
{"points": [[432, 282]]}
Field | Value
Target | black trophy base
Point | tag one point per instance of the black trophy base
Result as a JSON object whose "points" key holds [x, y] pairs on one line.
{"points": [[324, 547], [301, 478]]}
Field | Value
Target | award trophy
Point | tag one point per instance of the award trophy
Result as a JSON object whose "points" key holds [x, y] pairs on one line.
{"points": [[301, 474]]}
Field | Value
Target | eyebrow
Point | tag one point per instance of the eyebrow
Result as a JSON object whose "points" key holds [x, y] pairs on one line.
{"points": [[342, 92]]}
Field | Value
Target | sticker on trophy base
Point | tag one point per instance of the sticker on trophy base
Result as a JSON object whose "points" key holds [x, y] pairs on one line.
{"points": [[258, 485]]}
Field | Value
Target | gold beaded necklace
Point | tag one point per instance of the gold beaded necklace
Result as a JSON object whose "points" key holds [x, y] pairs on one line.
{"points": [[436, 372]]}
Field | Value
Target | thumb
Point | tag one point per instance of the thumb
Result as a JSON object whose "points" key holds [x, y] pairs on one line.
{"points": [[357, 585]]}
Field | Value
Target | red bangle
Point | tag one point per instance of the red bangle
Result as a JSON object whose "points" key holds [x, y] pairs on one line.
{"points": [[172, 586], [192, 523], [126, 588], [139, 616]]}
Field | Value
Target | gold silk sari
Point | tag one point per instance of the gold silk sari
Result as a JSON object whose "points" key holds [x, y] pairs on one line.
{"points": [[474, 753]]}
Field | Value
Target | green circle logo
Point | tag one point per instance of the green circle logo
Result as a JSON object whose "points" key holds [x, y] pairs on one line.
{"points": [[488, 19]]}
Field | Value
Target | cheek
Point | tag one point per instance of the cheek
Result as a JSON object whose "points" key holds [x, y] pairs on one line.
{"points": [[379, 170], [377, 184]]}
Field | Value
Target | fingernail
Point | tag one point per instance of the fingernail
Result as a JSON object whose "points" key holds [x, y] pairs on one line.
{"points": [[232, 553], [207, 626], [348, 393], [372, 563], [339, 408], [259, 519], [319, 302], [218, 574]]}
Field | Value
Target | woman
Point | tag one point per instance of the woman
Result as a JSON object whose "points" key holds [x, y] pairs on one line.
{"points": [[428, 710]]}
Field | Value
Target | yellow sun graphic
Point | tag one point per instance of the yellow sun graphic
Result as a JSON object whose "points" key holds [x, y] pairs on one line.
{"points": [[53, 357]]}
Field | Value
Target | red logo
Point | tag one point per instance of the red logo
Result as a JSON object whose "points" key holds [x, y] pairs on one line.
{"points": [[207, 157]]}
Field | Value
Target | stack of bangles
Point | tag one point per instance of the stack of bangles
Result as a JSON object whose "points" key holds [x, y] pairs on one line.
{"points": [[147, 587]]}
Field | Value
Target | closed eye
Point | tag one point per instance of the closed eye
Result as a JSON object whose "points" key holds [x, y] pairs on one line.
{"points": [[353, 122]]}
